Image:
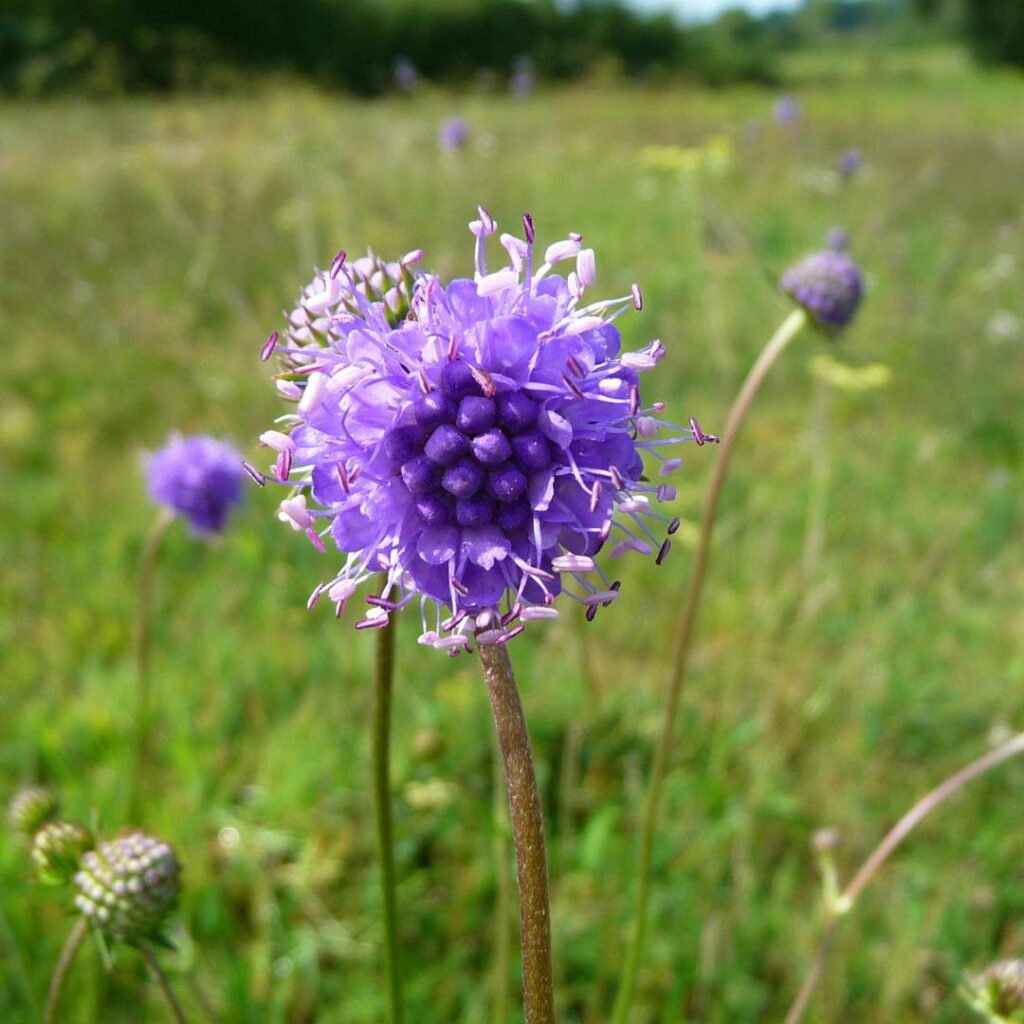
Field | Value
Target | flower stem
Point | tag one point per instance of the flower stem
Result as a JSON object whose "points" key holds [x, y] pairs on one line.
{"points": [[788, 330], [848, 897], [60, 972], [384, 677], [141, 645], [528, 832], [503, 901], [165, 986]]}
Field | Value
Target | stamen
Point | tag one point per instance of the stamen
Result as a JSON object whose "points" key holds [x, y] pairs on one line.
{"points": [[528, 228], [484, 379], [638, 299], [255, 474], [268, 347], [339, 262], [663, 552], [511, 634]]}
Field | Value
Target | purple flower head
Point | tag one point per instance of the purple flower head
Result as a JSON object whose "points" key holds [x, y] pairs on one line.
{"points": [[787, 110], [197, 476], [480, 453], [523, 78], [837, 239], [828, 285], [454, 132], [406, 75], [850, 163]]}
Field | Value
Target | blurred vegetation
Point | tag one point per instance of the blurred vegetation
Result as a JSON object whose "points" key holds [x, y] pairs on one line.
{"points": [[155, 45], [861, 637]]}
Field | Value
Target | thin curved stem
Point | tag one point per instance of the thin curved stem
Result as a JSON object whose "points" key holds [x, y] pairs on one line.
{"points": [[384, 677], [777, 344], [503, 901], [60, 972], [528, 832], [165, 986], [141, 650], [848, 897]]}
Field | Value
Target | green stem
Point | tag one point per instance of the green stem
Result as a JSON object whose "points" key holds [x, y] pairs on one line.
{"points": [[165, 986], [141, 650], [893, 838], [502, 936], [788, 330], [67, 955], [528, 832], [384, 676]]}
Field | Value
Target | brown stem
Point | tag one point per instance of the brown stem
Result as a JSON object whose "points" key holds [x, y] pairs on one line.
{"points": [[67, 955], [165, 985], [788, 330], [848, 897], [528, 832]]}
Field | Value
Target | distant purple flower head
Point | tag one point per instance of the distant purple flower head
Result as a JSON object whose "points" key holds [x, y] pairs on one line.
{"points": [[828, 285], [198, 477], [406, 75], [787, 110], [838, 240], [454, 132], [523, 79], [481, 452], [850, 163]]}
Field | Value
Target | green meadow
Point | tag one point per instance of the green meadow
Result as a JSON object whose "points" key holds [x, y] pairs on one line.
{"points": [[861, 635]]}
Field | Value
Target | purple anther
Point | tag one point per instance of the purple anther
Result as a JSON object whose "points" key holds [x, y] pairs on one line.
{"points": [[255, 474], [268, 347]]}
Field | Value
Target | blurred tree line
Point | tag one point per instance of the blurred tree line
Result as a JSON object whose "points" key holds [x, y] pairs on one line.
{"points": [[994, 28], [117, 45], [104, 46]]}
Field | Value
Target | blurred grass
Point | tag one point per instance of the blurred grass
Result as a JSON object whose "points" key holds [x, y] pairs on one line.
{"points": [[147, 248]]}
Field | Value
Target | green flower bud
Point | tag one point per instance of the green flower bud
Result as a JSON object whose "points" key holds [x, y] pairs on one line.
{"points": [[58, 848], [128, 887], [998, 992], [32, 808]]}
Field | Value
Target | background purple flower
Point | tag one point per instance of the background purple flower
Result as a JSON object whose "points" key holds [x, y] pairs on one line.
{"points": [[524, 78], [837, 239], [787, 110], [406, 75], [828, 285], [454, 132], [198, 477], [850, 163], [482, 452]]}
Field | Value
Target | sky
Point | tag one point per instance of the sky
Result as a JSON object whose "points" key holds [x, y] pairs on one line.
{"points": [[696, 10]]}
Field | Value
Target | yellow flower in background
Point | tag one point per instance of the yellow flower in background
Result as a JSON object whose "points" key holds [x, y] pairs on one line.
{"points": [[853, 379], [715, 154]]}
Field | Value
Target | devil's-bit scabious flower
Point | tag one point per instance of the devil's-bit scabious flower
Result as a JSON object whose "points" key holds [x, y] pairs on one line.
{"points": [[837, 240], [198, 477], [479, 452], [998, 992], [31, 808], [127, 887], [406, 75], [787, 110], [524, 78], [58, 848], [850, 163], [828, 285], [453, 133]]}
